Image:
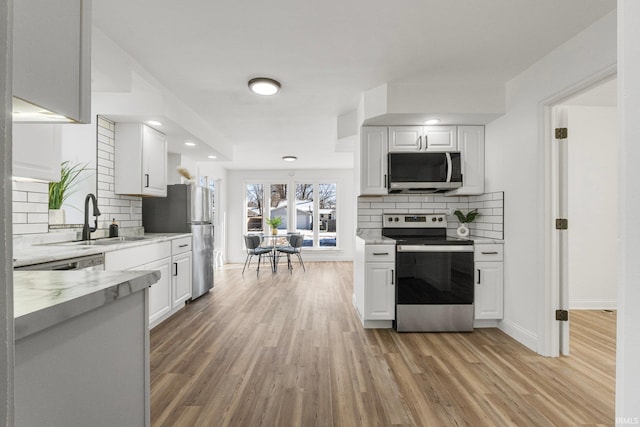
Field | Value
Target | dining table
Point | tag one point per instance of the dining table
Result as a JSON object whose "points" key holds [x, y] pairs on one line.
{"points": [[273, 241]]}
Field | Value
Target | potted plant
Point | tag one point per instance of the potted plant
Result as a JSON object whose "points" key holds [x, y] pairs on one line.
{"points": [[274, 223], [61, 190], [463, 230]]}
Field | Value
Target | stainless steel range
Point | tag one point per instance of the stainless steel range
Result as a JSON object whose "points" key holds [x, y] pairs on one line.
{"points": [[434, 274]]}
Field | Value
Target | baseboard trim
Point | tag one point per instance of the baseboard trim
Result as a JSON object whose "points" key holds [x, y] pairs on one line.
{"points": [[520, 334], [485, 323], [593, 305]]}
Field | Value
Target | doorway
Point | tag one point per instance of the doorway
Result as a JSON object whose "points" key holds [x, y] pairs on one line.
{"points": [[584, 191]]}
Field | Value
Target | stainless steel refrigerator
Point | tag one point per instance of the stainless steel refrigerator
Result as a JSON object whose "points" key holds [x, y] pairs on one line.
{"points": [[186, 209]]}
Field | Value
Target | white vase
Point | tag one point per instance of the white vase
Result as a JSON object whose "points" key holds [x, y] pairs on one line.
{"points": [[56, 216], [463, 230]]}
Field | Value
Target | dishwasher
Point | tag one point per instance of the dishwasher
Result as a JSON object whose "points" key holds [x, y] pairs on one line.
{"points": [[87, 262]]}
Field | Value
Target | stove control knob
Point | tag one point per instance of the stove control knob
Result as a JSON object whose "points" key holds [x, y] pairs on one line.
{"points": [[390, 219], [396, 219], [440, 219], [433, 219]]}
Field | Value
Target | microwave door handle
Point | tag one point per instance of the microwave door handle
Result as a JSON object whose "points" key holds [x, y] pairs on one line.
{"points": [[449, 166]]}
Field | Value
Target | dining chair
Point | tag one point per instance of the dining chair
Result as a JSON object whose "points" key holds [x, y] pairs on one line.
{"points": [[294, 247], [252, 242]]}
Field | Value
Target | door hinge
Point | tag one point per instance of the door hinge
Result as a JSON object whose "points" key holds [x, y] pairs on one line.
{"points": [[562, 224], [561, 133], [562, 315]]}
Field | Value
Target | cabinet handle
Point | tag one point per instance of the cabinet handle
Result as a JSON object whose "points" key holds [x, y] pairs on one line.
{"points": [[392, 274], [381, 253], [183, 246], [146, 176], [420, 143], [175, 266], [426, 143], [489, 253], [385, 181], [478, 282]]}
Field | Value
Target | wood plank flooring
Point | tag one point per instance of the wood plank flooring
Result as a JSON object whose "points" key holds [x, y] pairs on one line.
{"points": [[288, 350]]}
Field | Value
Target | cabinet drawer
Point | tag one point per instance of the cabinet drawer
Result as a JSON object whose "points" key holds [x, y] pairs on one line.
{"points": [[180, 245], [488, 252], [379, 253]]}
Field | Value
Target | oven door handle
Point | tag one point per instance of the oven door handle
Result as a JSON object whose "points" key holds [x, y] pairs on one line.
{"points": [[434, 248]]}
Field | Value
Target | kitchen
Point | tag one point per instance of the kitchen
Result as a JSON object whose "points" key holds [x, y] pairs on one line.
{"points": [[523, 319]]}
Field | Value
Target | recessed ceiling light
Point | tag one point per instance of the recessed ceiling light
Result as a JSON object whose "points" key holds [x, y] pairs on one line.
{"points": [[190, 144], [212, 157], [154, 123], [432, 122], [289, 158], [264, 86]]}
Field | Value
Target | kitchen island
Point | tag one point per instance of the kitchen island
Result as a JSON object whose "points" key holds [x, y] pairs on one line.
{"points": [[82, 347]]}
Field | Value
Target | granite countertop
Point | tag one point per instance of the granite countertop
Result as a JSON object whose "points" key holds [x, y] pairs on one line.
{"points": [[36, 253], [45, 298]]}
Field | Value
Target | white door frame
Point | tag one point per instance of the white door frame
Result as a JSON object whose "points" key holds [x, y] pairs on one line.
{"points": [[549, 343]]}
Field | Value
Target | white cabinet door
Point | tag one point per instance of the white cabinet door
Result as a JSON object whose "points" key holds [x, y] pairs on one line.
{"points": [[36, 151], [52, 56], [154, 162], [406, 138], [160, 292], [373, 160], [379, 299], [181, 279], [440, 138], [140, 160], [489, 290], [471, 145]]}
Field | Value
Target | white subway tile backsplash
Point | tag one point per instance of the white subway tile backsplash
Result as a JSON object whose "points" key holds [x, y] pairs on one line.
{"points": [[37, 187], [489, 222], [19, 196], [19, 218], [30, 228], [38, 218], [38, 198]]}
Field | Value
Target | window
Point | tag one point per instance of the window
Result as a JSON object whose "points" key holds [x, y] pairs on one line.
{"points": [[309, 209]]}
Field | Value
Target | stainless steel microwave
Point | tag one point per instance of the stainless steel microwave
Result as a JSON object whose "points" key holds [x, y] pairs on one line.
{"points": [[424, 172]]}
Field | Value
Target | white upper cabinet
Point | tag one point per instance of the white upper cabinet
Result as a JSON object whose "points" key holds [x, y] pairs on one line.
{"points": [[36, 151], [140, 160], [373, 160], [422, 138], [52, 56], [471, 146]]}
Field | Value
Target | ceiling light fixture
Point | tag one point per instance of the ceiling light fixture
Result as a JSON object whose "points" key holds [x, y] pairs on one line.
{"points": [[264, 86], [212, 157], [190, 144], [154, 123], [289, 158], [432, 122]]}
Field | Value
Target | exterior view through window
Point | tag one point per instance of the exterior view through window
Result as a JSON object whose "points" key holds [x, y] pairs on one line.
{"points": [[311, 206]]}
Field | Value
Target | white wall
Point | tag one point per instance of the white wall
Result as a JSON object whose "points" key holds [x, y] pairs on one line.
{"points": [[593, 199], [628, 341], [515, 163], [237, 179]]}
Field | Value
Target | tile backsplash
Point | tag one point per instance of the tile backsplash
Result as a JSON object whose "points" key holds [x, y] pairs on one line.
{"points": [[489, 223], [30, 207]]}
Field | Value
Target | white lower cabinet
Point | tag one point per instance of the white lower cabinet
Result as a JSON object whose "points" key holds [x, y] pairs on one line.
{"points": [[173, 260], [489, 282], [380, 293], [160, 293]]}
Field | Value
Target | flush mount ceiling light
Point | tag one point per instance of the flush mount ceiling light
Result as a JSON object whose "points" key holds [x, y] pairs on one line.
{"points": [[289, 158], [212, 157], [264, 86], [190, 144], [432, 122], [154, 123]]}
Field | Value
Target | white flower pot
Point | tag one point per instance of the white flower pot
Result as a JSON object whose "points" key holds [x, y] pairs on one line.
{"points": [[463, 230], [56, 216]]}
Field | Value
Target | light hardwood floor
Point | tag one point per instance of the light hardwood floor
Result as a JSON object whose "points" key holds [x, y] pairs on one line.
{"points": [[288, 350]]}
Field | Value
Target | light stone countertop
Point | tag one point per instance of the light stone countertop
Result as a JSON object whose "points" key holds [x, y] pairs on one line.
{"points": [[27, 254], [42, 299]]}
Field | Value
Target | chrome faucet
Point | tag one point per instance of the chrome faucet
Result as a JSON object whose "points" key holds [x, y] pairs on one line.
{"points": [[86, 230]]}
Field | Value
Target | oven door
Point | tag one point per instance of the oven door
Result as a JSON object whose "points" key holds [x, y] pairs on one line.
{"points": [[434, 288]]}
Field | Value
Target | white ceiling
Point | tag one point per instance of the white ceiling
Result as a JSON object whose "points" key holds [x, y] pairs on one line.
{"points": [[326, 54]]}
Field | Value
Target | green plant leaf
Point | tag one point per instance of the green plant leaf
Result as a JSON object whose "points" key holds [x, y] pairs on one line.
{"points": [[469, 217], [69, 178]]}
